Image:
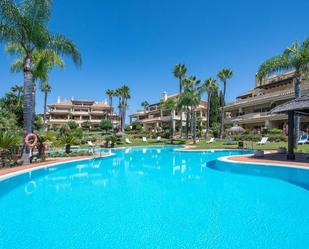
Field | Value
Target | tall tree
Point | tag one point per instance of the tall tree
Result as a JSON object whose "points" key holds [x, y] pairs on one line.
{"points": [[210, 87], [13, 103], [192, 96], [110, 93], [145, 104], [44, 61], [46, 89], [294, 58], [214, 114], [123, 94], [224, 75], [117, 94], [179, 72], [25, 23], [170, 105]]}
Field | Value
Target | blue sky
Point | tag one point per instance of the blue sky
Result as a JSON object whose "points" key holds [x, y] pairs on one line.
{"points": [[138, 42]]}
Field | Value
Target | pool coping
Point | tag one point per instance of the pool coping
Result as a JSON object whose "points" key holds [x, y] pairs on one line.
{"points": [[15, 171], [262, 162]]}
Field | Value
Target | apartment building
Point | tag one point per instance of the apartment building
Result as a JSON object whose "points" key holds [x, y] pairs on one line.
{"points": [[83, 112], [153, 117], [251, 110]]}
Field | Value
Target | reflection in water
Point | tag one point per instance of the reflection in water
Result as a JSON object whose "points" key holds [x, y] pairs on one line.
{"points": [[30, 187], [157, 164]]}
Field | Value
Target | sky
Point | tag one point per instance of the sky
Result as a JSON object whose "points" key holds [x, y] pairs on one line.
{"points": [[138, 43]]}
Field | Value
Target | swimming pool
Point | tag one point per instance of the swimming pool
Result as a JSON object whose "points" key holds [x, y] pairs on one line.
{"points": [[152, 197]]}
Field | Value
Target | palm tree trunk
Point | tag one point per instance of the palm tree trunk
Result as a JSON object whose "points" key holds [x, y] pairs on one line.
{"points": [[194, 126], [187, 124], [297, 92], [192, 120], [123, 118], [180, 91], [27, 105], [222, 112], [33, 101], [45, 103], [120, 113], [171, 127], [111, 104], [208, 112]]}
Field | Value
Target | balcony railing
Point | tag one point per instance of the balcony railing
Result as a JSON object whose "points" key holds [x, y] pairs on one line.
{"points": [[59, 111], [268, 96], [253, 116]]}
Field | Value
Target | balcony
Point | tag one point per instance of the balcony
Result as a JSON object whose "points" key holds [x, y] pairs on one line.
{"points": [[59, 111], [254, 117], [57, 121], [262, 99]]}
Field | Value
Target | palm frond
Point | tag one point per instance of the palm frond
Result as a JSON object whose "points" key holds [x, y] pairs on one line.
{"points": [[13, 48], [17, 66], [64, 46], [36, 10], [274, 65]]}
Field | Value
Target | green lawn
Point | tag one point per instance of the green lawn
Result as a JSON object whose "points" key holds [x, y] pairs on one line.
{"points": [[219, 144]]}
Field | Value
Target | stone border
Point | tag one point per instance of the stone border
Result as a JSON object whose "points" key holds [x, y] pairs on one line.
{"points": [[29, 168], [261, 162]]}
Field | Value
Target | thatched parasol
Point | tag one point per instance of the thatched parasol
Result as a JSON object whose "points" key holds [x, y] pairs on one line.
{"points": [[237, 129], [298, 106]]}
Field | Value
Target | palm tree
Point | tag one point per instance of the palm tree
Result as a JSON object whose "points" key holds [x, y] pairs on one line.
{"points": [[145, 104], [192, 97], [170, 105], [210, 86], [179, 72], [184, 102], [44, 61], [294, 58], [25, 23], [46, 89], [110, 93], [224, 75], [125, 95]]}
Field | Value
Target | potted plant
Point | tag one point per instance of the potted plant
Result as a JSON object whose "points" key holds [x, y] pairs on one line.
{"points": [[281, 150]]}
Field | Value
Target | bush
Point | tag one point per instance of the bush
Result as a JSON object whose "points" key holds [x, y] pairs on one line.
{"points": [[275, 131], [106, 125], [136, 126], [110, 141], [72, 125]]}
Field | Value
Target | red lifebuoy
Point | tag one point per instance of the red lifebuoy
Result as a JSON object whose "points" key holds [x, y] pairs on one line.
{"points": [[34, 142]]}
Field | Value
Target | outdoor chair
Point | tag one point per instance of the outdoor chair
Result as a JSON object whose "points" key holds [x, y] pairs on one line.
{"points": [[145, 139], [128, 141], [158, 139], [210, 140], [303, 139], [263, 141], [90, 144]]}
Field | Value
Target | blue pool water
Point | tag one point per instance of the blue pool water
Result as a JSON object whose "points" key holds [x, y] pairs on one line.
{"points": [[153, 198]]}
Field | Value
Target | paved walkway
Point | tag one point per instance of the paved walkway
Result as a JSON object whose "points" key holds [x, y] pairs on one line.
{"points": [[5, 171]]}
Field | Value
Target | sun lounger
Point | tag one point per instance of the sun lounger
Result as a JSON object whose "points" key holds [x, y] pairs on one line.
{"points": [[303, 139], [145, 139], [263, 141], [210, 140], [90, 144], [128, 141]]}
